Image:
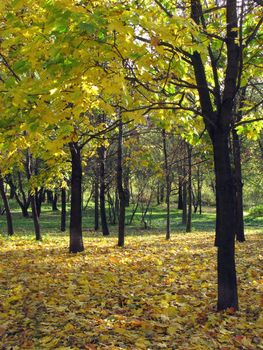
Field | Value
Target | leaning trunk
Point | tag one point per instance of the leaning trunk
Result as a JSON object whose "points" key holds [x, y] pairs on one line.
{"points": [[225, 223], [76, 242], [9, 220]]}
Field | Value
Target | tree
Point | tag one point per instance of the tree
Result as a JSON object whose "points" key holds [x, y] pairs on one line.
{"points": [[10, 229]]}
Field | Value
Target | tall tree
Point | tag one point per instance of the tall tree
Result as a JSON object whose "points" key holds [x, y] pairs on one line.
{"points": [[9, 220], [119, 174]]}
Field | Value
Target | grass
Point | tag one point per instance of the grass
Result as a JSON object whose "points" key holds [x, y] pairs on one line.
{"points": [[156, 220]]}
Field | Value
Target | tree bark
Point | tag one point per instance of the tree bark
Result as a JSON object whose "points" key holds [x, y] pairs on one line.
{"points": [[180, 194], [96, 200], [76, 241], [9, 221], [35, 216], [49, 196], [168, 185], [189, 187], [121, 193], [54, 201], [23, 202], [161, 193], [63, 210], [225, 223], [126, 183], [39, 200], [103, 215], [239, 226], [199, 189], [218, 123], [184, 197]]}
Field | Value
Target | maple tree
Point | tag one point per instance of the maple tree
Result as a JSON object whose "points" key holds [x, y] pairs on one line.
{"points": [[74, 71]]}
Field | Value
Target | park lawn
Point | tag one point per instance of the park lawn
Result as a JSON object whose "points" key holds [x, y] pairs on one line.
{"points": [[152, 294], [156, 220]]}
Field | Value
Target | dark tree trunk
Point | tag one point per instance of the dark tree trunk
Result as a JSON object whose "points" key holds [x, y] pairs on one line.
{"points": [[239, 227], [54, 201], [158, 193], [25, 212], [112, 212], [199, 189], [121, 193], [35, 216], [126, 183], [117, 204], [12, 193], [76, 242], [180, 194], [39, 200], [49, 196], [161, 193], [225, 223], [29, 168], [218, 120], [189, 188], [103, 215], [20, 196], [184, 197], [96, 201], [9, 221], [168, 185], [63, 210]]}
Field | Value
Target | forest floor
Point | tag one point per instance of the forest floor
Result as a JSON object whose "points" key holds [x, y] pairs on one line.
{"points": [[152, 294]]}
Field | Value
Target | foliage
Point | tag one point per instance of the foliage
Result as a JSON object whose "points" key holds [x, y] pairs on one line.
{"points": [[153, 294], [256, 211]]}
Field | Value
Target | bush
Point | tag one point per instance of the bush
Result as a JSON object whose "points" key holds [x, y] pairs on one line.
{"points": [[256, 211]]}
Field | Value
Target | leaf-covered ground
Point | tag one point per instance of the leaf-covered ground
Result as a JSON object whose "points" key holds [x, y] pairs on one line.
{"points": [[152, 294]]}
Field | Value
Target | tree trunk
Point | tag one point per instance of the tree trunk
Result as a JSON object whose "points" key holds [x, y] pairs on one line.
{"points": [[168, 185], [121, 193], [161, 193], [96, 200], [12, 193], [126, 182], [35, 216], [158, 193], [76, 242], [39, 200], [199, 189], [9, 221], [189, 187], [103, 215], [180, 194], [55, 201], [63, 210], [184, 197], [225, 223], [23, 202], [49, 196], [240, 235]]}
